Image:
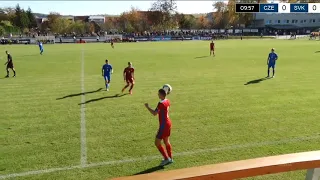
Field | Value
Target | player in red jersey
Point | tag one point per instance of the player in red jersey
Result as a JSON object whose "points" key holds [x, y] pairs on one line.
{"points": [[128, 76], [212, 48], [112, 43], [164, 131], [9, 64]]}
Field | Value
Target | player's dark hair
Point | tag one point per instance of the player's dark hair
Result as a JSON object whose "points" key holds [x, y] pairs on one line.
{"points": [[129, 63], [162, 92], [107, 60]]}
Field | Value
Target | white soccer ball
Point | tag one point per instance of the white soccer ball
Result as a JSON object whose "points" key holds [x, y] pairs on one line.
{"points": [[167, 88]]}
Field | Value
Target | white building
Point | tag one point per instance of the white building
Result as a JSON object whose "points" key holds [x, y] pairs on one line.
{"points": [[97, 19], [287, 21]]}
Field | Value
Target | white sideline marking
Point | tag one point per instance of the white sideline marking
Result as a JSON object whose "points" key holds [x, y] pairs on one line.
{"points": [[83, 158], [148, 158]]}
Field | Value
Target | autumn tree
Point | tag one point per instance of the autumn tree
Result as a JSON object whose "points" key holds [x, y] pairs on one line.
{"points": [[133, 20], [202, 22], [108, 25], [220, 18], [53, 20], [162, 12]]}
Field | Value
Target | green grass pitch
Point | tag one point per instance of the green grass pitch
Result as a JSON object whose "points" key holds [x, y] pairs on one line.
{"points": [[216, 117]]}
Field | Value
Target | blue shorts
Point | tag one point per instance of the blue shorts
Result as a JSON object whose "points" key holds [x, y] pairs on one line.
{"points": [[107, 78], [271, 66]]}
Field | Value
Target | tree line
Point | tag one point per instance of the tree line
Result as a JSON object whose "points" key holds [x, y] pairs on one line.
{"points": [[161, 16]]}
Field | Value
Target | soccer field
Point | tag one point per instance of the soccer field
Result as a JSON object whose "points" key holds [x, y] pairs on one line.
{"points": [[58, 122]]}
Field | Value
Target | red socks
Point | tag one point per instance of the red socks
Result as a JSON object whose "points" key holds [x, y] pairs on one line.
{"points": [[169, 151], [164, 154]]}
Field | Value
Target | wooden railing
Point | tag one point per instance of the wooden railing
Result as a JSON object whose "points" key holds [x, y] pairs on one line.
{"points": [[242, 169]]}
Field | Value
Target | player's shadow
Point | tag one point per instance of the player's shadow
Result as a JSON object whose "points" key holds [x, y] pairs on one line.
{"points": [[79, 94], [256, 81], [106, 97], [150, 170], [317, 52], [199, 57]]}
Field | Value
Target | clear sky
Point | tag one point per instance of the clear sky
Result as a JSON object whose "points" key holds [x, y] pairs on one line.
{"points": [[103, 7]]}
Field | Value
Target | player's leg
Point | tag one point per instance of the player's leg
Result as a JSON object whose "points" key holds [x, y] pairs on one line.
{"points": [[7, 69], [41, 51], [14, 72], [159, 146], [106, 80], [273, 70], [131, 87], [126, 86], [108, 83], [268, 71], [168, 148], [213, 52]]}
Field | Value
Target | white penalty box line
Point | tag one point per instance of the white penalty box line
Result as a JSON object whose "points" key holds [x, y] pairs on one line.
{"points": [[148, 158]]}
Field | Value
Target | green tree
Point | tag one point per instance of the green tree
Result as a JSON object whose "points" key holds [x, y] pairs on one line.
{"points": [[2, 30], [63, 26], [186, 21], [17, 16], [24, 20], [32, 19], [78, 27], [53, 21], [8, 27]]}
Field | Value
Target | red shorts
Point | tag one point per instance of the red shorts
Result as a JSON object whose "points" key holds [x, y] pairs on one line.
{"points": [[130, 80], [212, 49], [163, 132]]}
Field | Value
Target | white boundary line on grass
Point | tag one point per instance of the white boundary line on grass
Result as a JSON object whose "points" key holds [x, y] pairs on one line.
{"points": [[148, 158], [83, 158]]}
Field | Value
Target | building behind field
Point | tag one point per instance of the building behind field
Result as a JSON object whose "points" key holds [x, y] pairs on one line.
{"points": [[300, 23]]}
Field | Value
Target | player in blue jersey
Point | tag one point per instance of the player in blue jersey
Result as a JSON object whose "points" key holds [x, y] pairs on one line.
{"points": [[106, 73], [40, 47], [271, 62]]}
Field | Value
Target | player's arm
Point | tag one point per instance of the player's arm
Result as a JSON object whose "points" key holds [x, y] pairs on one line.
{"points": [[124, 74], [276, 56], [268, 59], [153, 112], [111, 70], [7, 62], [102, 71]]}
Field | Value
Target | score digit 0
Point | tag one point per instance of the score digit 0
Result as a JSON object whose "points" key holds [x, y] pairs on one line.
{"points": [[284, 7], [314, 8]]}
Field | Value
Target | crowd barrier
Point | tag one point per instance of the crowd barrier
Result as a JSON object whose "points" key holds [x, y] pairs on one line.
{"points": [[119, 38]]}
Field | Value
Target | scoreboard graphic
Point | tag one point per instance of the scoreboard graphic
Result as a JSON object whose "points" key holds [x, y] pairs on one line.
{"points": [[278, 8]]}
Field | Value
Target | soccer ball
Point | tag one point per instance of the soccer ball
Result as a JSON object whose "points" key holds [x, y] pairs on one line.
{"points": [[167, 88]]}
